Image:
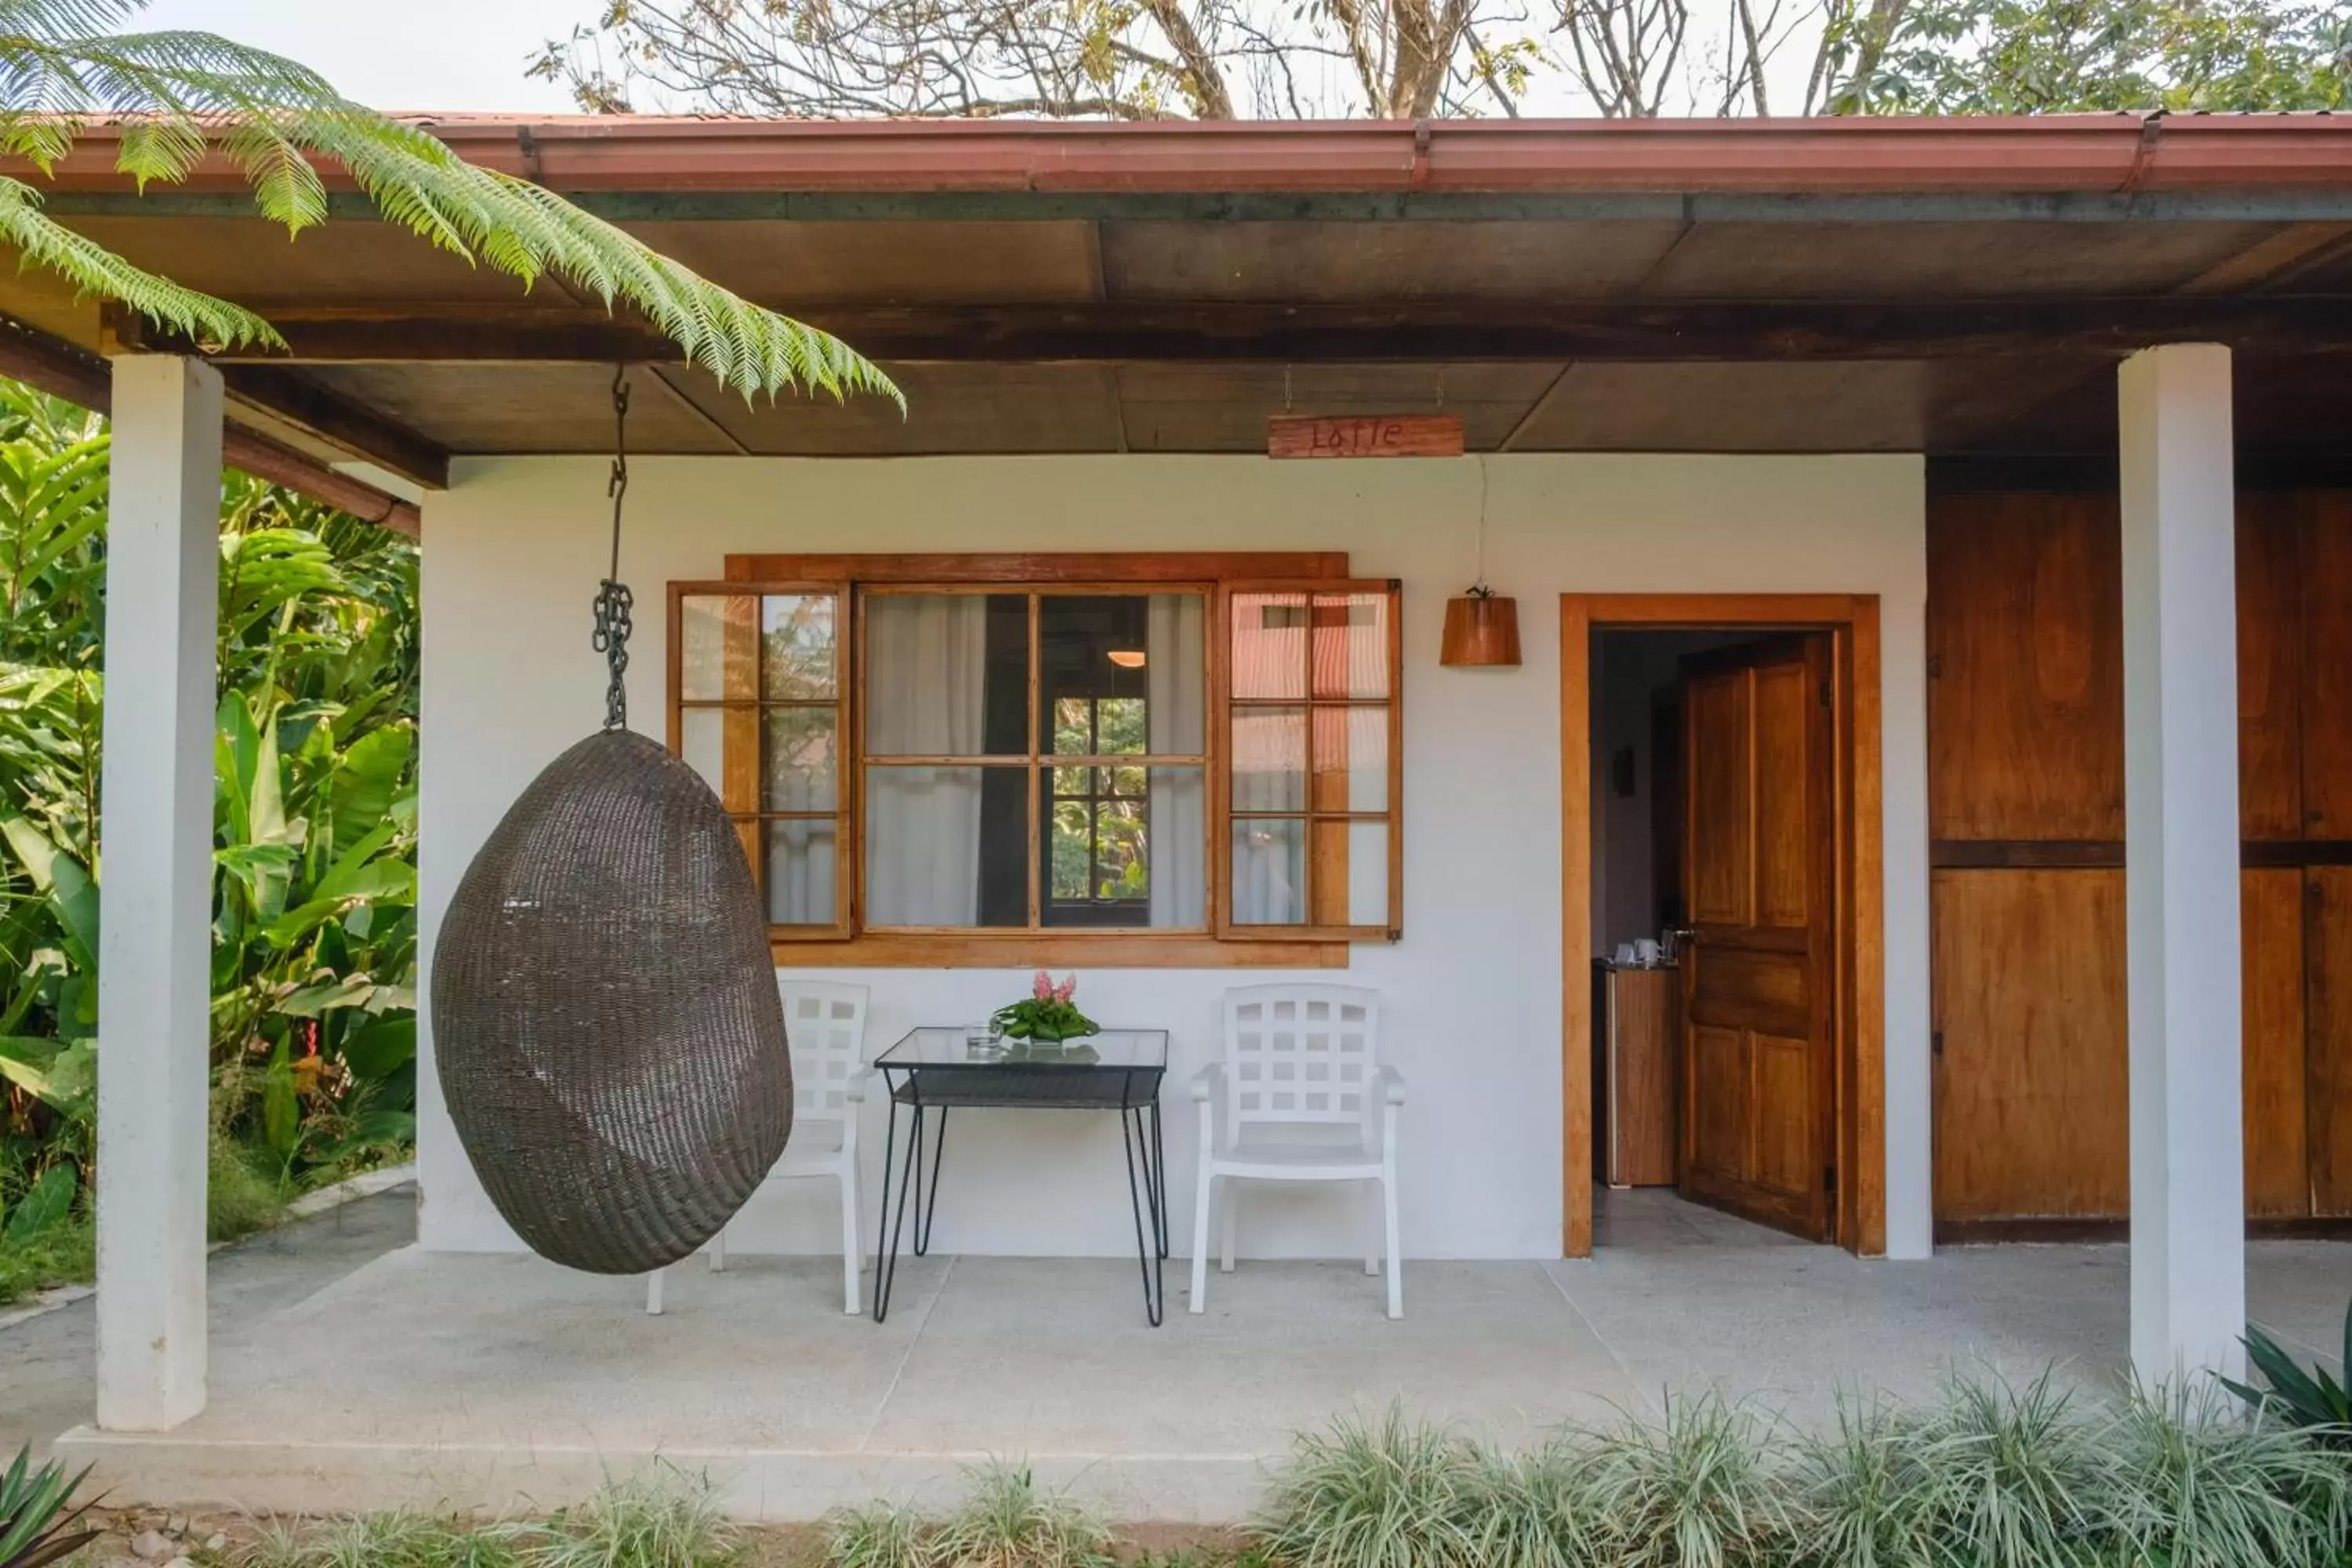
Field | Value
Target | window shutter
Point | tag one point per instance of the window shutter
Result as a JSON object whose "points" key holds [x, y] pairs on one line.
{"points": [[1308, 715], [759, 705]]}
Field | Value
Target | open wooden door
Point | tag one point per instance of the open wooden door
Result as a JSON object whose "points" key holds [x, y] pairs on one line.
{"points": [[1758, 968]]}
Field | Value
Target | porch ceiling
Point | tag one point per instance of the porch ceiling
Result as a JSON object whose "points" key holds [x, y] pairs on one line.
{"points": [[1941, 287]]}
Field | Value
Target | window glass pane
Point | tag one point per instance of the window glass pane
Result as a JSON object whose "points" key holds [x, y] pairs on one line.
{"points": [[715, 647], [1127, 847], [1177, 801], [947, 675], [1269, 645], [1270, 871], [1098, 726], [1352, 759], [797, 646], [923, 849], [1122, 674], [1351, 873], [702, 742], [1177, 695], [801, 878], [1352, 645], [801, 772], [1269, 759]]}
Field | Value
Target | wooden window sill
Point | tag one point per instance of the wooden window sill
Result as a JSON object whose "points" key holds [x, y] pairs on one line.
{"points": [[1032, 950]]}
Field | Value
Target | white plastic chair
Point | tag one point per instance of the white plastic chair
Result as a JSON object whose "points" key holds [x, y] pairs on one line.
{"points": [[1300, 1096], [826, 1025]]}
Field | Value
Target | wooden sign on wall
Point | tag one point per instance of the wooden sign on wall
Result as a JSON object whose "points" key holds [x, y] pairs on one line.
{"points": [[1366, 436]]}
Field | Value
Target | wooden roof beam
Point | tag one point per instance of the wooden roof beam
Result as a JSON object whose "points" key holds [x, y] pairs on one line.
{"points": [[1411, 331], [63, 370]]}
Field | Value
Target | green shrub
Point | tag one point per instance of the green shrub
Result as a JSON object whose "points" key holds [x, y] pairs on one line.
{"points": [[1401, 1494], [240, 1197], [37, 1519], [1859, 1489], [1697, 1489], [1533, 1510], [661, 1518], [880, 1535], [2195, 1485], [2312, 1400], [2010, 1478]]}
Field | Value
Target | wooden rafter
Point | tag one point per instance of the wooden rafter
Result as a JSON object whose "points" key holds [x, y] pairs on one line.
{"points": [[1500, 332]]}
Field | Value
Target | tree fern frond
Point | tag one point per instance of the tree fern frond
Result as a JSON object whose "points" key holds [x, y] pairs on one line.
{"points": [[161, 148], [92, 268], [61, 64]]}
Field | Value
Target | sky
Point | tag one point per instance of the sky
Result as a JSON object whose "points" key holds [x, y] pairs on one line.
{"points": [[401, 54], [446, 55]]}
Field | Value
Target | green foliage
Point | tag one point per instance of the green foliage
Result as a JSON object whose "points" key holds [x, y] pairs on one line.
{"points": [[664, 1519], [2038, 57], [1046, 1013], [37, 1519], [65, 63], [1398, 1494], [59, 1252], [1006, 1521], [313, 1024], [2314, 1400], [1697, 1490], [2194, 1486]]}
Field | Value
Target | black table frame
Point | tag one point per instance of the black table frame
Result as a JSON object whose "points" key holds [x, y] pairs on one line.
{"points": [[931, 1089]]}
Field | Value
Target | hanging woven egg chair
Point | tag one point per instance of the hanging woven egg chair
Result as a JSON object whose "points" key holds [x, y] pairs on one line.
{"points": [[605, 1022]]}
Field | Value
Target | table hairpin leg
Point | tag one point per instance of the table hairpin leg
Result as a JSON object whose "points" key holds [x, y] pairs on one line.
{"points": [[886, 1241], [927, 1204], [1149, 1255], [1160, 1169]]}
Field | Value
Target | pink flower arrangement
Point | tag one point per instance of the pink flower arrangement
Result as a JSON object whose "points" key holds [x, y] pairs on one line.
{"points": [[1046, 1013]]}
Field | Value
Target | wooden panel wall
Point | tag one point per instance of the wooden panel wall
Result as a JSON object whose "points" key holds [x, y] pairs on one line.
{"points": [[2026, 812], [2025, 739]]}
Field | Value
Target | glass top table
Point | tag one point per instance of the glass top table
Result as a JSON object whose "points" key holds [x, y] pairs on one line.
{"points": [[933, 1070]]}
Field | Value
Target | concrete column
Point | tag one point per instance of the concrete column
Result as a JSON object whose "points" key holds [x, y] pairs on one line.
{"points": [[162, 571], [2180, 831]]}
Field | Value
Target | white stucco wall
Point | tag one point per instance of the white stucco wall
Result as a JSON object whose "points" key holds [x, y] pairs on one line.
{"points": [[514, 547]]}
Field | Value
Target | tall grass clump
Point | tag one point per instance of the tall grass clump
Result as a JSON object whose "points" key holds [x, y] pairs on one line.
{"points": [[2198, 1486], [1006, 1521], [1698, 1488], [878, 1535], [402, 1539], [1534, 1510], [1394, 1494], [1857, 1490], [664, 1518], [2012, 1478]]}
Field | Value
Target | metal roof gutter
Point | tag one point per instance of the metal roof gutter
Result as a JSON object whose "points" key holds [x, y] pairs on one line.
{"points": [[2110, 154]]}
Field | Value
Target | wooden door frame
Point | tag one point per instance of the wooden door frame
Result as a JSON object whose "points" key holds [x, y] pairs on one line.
{"points": [[1860, 1047]]}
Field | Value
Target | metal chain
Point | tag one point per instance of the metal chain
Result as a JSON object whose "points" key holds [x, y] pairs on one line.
{"points": [[613, 597]]}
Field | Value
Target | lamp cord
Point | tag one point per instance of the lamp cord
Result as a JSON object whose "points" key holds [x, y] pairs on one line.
{"points": [[1479, 583], [613, 596]]}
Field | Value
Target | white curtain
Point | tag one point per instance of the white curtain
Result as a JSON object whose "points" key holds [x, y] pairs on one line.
{"points": [[799, 872], [926, 667], [1176, 709]]}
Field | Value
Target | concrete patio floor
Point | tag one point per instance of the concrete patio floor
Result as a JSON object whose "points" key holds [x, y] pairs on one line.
{"points": [[492, 1382]]}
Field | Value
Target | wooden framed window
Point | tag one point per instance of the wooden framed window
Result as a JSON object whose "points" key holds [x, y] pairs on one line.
{"points": [[1312, 727], [1062, 759], [760, 708], [1033, 757]]}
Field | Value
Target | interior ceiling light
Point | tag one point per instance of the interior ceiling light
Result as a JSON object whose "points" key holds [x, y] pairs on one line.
{"points": [[1127, 658]]}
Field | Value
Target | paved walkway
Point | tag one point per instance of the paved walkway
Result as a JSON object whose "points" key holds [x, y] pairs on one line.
{"points": [[48, 1364], [491, 1380]]}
